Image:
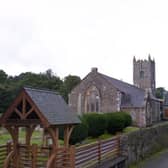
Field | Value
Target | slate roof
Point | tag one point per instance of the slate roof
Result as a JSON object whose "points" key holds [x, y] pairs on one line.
{"points": [[134, 96], [52, 106]]}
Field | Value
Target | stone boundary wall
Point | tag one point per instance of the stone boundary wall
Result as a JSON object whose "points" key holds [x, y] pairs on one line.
{"points": [[139, 144]]}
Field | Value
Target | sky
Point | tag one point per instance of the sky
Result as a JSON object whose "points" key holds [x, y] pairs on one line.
{"points": [[72, 36]]}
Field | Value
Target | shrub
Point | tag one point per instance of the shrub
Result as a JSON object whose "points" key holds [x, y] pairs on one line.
{"points": [[96, 124], [115, 122], [127, 118], [79, 133]]}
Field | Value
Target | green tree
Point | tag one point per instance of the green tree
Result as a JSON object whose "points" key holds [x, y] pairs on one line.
{"points": [[9, 85], [3, 76], [160, 92], [9, 89], [7, 94], [69, 83]]}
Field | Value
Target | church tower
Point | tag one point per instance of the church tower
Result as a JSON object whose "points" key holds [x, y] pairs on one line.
{"points": [[144, 74]]}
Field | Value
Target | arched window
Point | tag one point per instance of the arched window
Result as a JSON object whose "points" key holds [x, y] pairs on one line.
{"points": [[141, 74], [92, 100]]}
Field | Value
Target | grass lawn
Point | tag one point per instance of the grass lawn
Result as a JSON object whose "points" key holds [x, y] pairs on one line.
{"points": [[107, 136], [130, 129], [37, 137], [102, 137]]}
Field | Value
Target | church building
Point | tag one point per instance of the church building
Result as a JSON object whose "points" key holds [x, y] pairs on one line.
{"points": [[100, 93]]}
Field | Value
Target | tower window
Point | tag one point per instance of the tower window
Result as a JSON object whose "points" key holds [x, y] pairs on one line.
{"points": [[141, 74]]}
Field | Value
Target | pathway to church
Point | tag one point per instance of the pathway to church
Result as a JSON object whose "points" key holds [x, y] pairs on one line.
{"points": [[158, 161]]}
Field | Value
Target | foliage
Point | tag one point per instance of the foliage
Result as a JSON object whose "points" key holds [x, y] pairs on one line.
{"points": [[115, 122], [160, 92], [3, 76], [96, 124], [127, 119], [9, 85], [79, 133], [7, 94], [130, 129], [69, 83]]}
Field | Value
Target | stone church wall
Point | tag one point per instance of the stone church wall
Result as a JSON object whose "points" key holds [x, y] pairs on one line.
{"points": [[155, 111], [138, 116], [108, 95]]}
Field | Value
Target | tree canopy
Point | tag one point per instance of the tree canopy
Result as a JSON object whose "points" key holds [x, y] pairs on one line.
{"points": [[68, 84], [10, 85], [160, 92]]}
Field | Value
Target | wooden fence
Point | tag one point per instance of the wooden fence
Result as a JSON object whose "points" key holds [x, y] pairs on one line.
{"points": [[80, 157], [89, 155], [3, 154]]}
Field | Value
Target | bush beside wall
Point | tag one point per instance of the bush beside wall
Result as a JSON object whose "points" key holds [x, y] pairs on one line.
{"points": [[115, 122], [94, 125]]}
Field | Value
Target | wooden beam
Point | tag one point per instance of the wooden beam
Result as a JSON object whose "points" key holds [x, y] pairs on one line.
{"points": [[14, 131], [24, 98], [11, 108], [19, 113], [51, 159], [24, 106], [7, 160], [29, 112], [67, 133], [72, 156], [54, 132], [29, 132], [34, 155]]}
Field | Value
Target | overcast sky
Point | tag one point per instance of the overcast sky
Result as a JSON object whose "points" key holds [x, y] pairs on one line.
{"points": [[71, 36]]}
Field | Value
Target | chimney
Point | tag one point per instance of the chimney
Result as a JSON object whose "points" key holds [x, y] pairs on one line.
{"points": [[94, 70]]}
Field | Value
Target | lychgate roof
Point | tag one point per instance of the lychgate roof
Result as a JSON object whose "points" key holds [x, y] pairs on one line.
{"points": [[39, 106], [52, 106]]}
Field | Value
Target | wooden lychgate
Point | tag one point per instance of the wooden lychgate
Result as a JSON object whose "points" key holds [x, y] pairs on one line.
{"points": [[34, 107]]}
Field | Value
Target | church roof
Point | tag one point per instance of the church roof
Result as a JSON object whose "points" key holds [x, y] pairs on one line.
{"points": [[134, 96], [52, 106]]}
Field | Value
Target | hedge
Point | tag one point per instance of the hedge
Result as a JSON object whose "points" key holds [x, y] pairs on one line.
{"points": [[127, 118], [115, 123], [96, 124], [79, 133]]}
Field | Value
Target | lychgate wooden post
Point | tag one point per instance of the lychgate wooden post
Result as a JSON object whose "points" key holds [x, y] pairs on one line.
{"points": [[14, 131], [72, 156], [34, 155], [9, 147]]}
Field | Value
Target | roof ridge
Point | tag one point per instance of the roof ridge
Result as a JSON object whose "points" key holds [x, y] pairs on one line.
{"points": [[41, 90]]}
